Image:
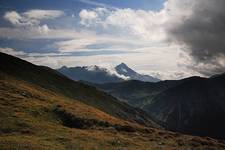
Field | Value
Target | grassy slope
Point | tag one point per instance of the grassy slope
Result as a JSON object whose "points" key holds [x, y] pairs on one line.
{"points": [[30, 119]]}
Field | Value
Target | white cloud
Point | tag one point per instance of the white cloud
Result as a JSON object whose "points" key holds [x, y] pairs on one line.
{"points": [[44, 29], [43, 14], [89, 15], [139, 23], [98, 4], [29, 21], [85, 40], [31, 17], [74, 45], [11, 51], [13, 17], [150, 25], [38, 32]]}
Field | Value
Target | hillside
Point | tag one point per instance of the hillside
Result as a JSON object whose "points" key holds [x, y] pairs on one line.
{"points": [[36, 117], [193, 105], [197, 106], [135, 93]]}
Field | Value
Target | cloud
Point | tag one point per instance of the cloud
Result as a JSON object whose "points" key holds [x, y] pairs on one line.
{"points": [[30, 21], [139, 23], [38, 32], [97, 4], [33, 24], [73, 45], [13, 17], [43, 14], [11, 51], [87, 16], [31, 17], [43, 29], [197, 26], [202, 33]]}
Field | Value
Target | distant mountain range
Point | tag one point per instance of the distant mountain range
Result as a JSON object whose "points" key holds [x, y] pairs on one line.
{"points": [[96, 74], [193, 105]]}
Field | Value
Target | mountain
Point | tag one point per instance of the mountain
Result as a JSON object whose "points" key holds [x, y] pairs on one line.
{"points": [[124, 70], [96, 74], [42, 109], [134, 92], [90, 74], [193, 105]]}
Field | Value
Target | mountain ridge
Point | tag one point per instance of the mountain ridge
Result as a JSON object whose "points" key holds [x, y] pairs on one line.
{"points": [[96, 74], [193, 105]]}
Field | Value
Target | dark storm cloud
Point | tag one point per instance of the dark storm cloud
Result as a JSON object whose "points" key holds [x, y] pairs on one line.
{"points": [[203, 33]]}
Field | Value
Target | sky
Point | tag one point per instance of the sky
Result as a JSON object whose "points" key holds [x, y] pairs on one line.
{"points": [[168, 39]]}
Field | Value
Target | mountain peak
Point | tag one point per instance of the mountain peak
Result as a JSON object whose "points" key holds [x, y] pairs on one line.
{"points": [[64, 67], [124, 70], [122, 65]]}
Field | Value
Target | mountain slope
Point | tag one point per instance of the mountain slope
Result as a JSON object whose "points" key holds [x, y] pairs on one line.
{"points": [[134, 92], [197, 106], [194, 105], [52, 80]]}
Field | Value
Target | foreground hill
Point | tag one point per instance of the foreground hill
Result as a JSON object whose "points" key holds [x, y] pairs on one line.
{"points": [[36, 117], [194, 105], [95, 74]]}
